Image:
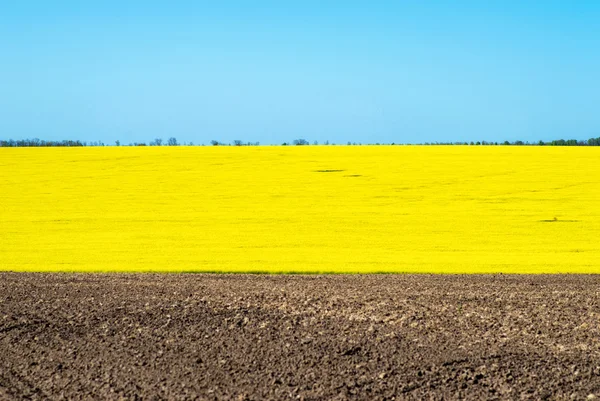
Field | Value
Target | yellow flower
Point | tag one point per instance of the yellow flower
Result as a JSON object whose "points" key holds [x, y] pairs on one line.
{"points": [[309, 209]]}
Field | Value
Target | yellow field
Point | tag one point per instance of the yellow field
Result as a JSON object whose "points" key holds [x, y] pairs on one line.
{"points": [[301, 209]]}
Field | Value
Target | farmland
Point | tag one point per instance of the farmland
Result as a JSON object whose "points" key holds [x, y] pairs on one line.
{"points": [[275, 337], [303, 209]]}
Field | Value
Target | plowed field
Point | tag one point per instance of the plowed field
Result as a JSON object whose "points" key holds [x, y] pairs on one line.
{"points": [[248, 337]]}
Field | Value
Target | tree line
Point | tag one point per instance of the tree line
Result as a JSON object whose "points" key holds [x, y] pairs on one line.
{"points": [[19, 143]]}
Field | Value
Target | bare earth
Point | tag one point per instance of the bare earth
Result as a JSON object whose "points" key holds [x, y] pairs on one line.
{"points": [[299, 337]]}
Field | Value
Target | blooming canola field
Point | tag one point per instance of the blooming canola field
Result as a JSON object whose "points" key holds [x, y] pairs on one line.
{"points": [[302, 209]]}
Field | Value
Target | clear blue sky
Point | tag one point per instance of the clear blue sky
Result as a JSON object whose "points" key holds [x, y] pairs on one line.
{"points": [[272, 71]]}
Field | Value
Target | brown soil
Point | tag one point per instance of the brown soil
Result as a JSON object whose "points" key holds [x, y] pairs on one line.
{"points": [[299, 337]]}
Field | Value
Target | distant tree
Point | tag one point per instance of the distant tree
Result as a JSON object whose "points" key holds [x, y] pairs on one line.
{"points": [[36, 142]]}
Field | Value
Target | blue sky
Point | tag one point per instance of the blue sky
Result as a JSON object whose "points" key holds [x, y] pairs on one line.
{"points": [[272, 71]]}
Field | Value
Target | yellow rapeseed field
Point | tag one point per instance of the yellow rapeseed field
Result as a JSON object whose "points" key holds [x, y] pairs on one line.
{"points": [[309, 209]]}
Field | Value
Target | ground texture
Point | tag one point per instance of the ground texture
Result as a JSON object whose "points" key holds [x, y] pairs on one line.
{"points": [[299, 337]]}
